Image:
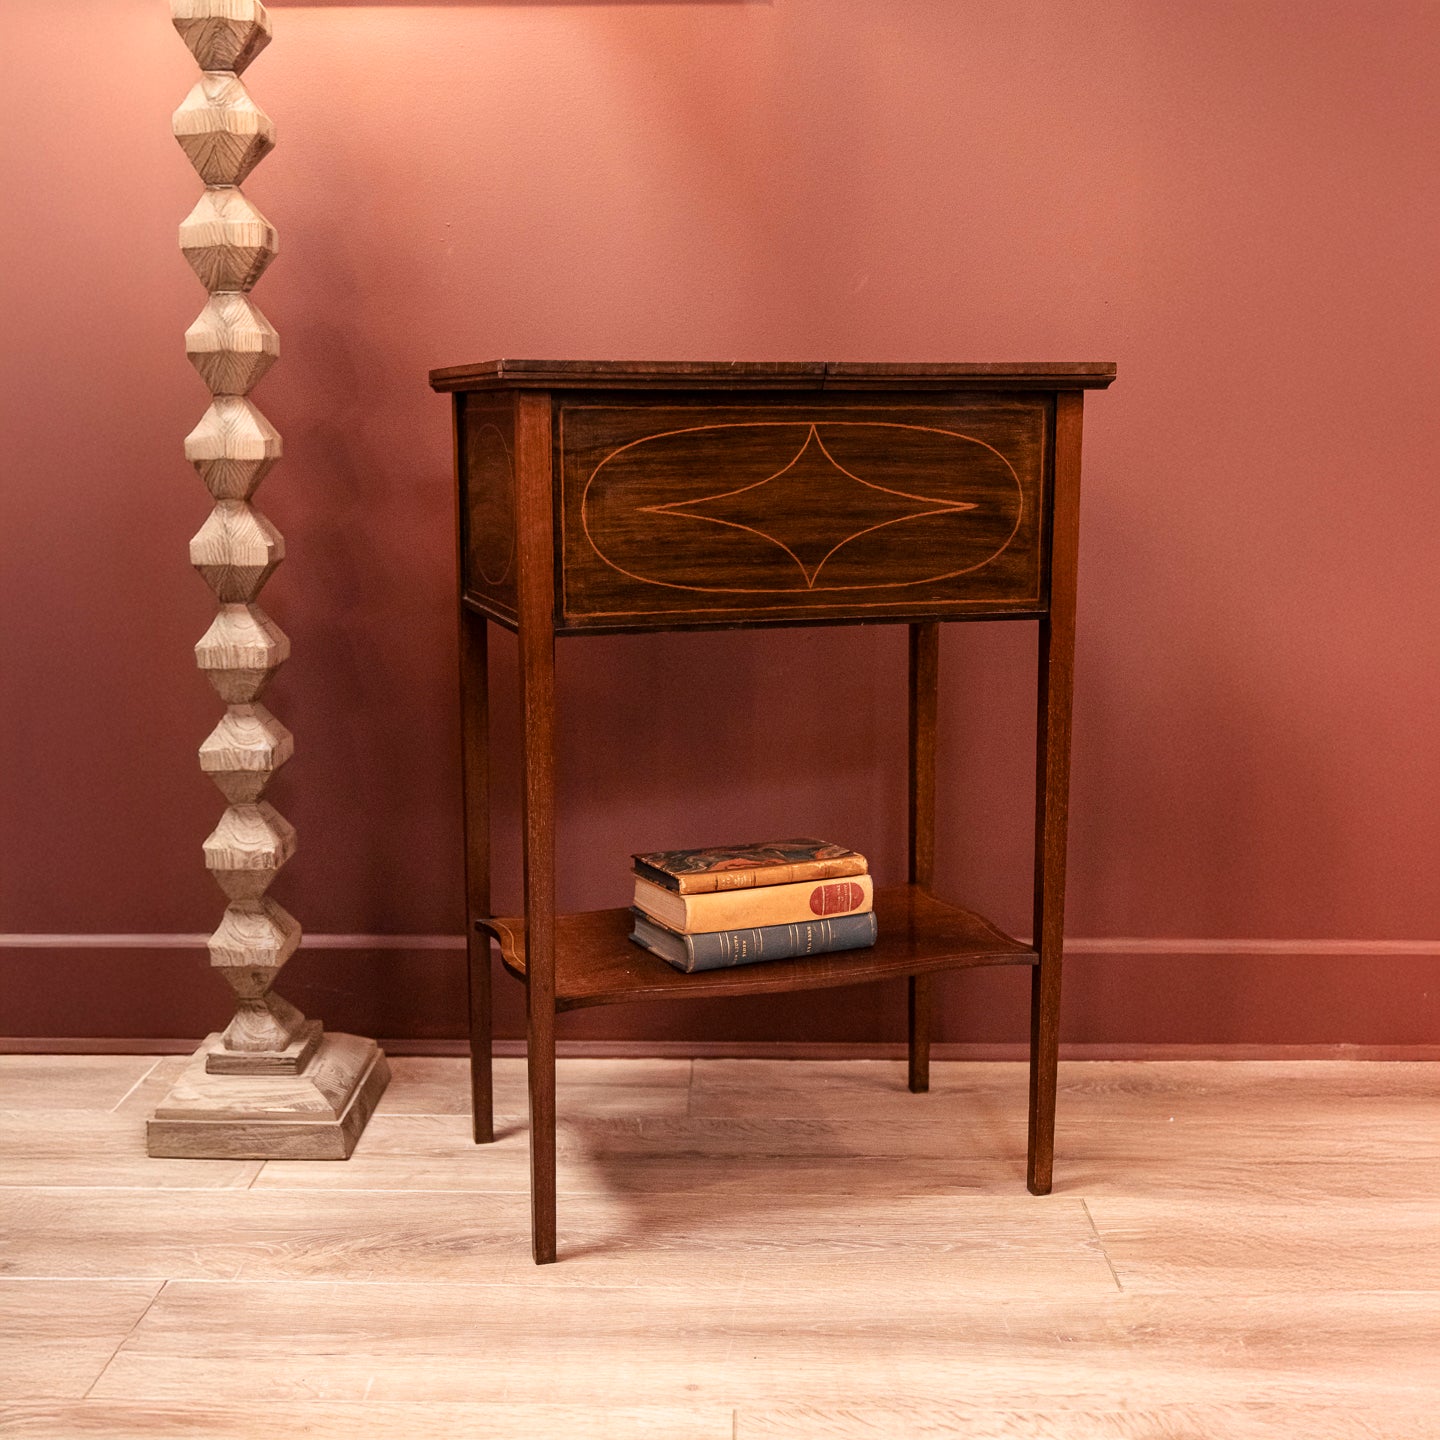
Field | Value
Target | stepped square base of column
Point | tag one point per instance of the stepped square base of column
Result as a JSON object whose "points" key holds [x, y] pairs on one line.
{"points": [[292, 1060], [317, 1114]]}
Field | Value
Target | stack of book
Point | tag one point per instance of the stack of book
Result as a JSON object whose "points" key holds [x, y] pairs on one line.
{"points": [[741, 904]]}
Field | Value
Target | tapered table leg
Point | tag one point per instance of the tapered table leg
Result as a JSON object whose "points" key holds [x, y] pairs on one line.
{"points": [[924, 688], [540, 1037], [538, 689], [1052, 764], [475, 729], [536, 597], [918, 1012]]}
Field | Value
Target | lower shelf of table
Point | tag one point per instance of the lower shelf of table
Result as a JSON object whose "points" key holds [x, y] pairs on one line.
{"points": [[596, 963]]}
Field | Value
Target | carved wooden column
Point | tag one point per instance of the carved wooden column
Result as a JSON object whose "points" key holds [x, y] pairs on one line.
{"points": [[272, 1084]]}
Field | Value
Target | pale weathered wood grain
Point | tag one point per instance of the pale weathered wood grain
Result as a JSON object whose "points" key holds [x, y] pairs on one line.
{"points": [[1101, 1085], [254, 934], [1255, 1247], [244, 750], [222, 130], [236, 550], [612, 1345], [1121, 1143], [341, 1421], [57, 1336], [222, 34], [247, 847], [1327, 1158], [432, 1085], [227, 242], [231, 343], [740, 1159], [212, 1111], [314, 1113], [1253, 1081], [69, 1082], [241, 651], [823, 1127], [982, 1246], [1197, 1421], [142, 1099], [93, 1148], [186, 1234], [233, 447], [775, 1269]]}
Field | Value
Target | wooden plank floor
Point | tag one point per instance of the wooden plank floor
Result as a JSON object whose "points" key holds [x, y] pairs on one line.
{"points": [[776, 1249]]}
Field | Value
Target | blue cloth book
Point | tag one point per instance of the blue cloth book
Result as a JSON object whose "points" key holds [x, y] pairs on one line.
{"points": [[720, 949]]}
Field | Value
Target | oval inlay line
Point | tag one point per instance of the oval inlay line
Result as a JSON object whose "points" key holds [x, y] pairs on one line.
{"points": [[492, 469], [809, 510]]}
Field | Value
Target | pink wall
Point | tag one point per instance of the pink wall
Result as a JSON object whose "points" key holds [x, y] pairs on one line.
{"points": [[1238, 202]]}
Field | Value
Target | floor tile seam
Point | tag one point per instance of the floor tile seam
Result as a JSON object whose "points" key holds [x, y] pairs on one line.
{"points": [[731, 1330], [1100, 1241], [114, 1109], [124, 1339]]}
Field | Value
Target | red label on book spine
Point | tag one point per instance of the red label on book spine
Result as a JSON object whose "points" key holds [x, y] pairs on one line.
{"points": [[835, 899]]}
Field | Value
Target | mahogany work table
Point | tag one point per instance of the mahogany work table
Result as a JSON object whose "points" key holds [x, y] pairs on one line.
{"points": [[600, 497]]}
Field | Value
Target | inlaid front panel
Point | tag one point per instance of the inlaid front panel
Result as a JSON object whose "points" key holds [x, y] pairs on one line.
{"points": [[487, 519], [823, 509]]}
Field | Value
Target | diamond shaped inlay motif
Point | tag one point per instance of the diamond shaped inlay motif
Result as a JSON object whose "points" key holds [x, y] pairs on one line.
{"points": [[800, 507]]}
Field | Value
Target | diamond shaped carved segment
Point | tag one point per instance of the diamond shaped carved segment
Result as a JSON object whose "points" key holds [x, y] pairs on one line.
{"points": [[262, 1023], [240, 652], [236, 550], [795, 507], [222, 34], [253, 942], [231, 344], [233, 447], [254, 935], [227, 241], [243, 751], [245, 851], [223, 131]]}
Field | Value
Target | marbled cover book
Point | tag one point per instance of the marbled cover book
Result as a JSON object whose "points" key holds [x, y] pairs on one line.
{"points": [[742, 867]]}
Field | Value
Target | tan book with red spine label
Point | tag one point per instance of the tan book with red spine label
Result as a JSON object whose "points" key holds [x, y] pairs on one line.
{"points": [[745, 867], [757, 906]]}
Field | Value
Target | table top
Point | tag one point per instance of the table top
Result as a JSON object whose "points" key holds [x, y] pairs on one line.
{"points": [[802, 375]]}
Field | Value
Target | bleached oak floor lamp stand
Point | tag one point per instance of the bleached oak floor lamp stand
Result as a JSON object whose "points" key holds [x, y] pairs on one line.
{"points": [[273, 1084]]}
